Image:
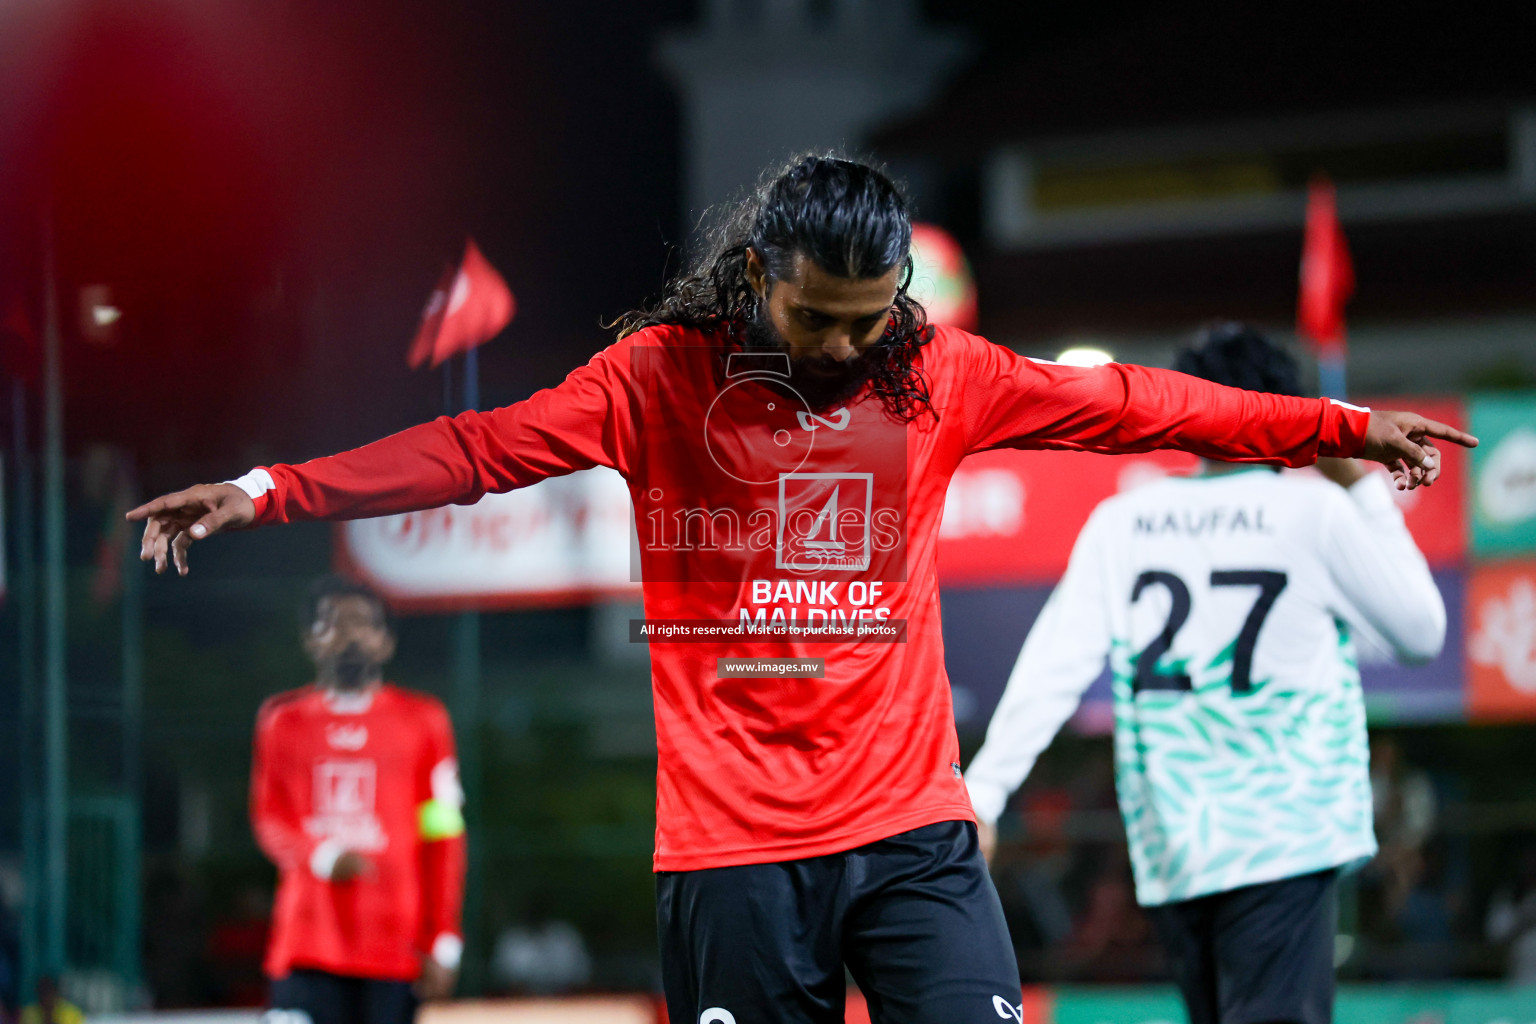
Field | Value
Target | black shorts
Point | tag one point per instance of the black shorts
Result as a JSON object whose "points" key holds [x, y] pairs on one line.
{"points": [[318, 997], [914, 918], [1256, 954]]}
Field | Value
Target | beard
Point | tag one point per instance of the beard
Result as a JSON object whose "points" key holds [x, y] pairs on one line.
{"points": [[824, 382], [352, 669]]}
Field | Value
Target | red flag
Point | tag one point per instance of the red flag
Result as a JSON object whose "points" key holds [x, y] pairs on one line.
{"points": [[469, 308], [1327, 275]]}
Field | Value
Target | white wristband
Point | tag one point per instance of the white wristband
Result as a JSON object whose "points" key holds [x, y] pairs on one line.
{"points": [[1349, 405], [255, 483], [448, 950], [322, 863]]}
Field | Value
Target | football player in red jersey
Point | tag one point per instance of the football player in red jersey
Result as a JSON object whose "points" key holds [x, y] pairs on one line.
{"points": [[355, 797], [788, 423]]}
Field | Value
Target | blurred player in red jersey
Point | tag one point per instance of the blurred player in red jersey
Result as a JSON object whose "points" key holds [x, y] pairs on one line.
{"points": [[355, 797], [788, 424]]}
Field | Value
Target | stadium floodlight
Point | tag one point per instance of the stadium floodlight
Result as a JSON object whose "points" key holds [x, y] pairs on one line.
{"points": [[1083, 355]]}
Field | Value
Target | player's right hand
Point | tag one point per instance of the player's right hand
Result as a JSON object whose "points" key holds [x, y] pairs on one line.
{"points": [[173, 521], [350, 865]]}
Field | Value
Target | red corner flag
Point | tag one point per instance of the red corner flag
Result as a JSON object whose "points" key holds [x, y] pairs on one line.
{"points": [[1327, 275], [469, 308]]}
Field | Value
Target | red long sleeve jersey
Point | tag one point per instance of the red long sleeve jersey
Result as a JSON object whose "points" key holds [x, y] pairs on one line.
{"points": [[755, 511], [372, 773]]}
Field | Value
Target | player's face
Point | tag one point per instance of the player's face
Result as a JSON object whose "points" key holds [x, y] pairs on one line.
{"points": [[824, 321], [823, 316], [349, 640]]}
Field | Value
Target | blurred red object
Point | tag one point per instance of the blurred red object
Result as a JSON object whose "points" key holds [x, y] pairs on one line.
{"points": [[1501, 642], [469, 308], [1327, 274], [941, 278], [21, 353]]}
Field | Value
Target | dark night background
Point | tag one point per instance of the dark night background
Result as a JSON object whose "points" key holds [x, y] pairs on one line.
{"points": [[271, 190]]}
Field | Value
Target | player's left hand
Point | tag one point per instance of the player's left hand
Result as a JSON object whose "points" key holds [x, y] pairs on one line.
{"points": [[436, 981], [987, 835], [1404, 443]]}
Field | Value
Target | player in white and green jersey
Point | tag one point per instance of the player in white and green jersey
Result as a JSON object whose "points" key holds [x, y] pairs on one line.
{"points": [[1231, 607]]}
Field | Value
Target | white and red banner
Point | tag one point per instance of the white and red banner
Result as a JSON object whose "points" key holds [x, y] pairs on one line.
{"points": [[561, 541], [1012, 517]]}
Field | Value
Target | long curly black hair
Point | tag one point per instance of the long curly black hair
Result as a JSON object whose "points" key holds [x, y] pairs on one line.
{"points": [[846, 216]]}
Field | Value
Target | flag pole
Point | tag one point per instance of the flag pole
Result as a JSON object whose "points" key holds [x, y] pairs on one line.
{"points": [[466, 684], [26, 670], [55, 706], [1327, 281], [1331, 372], [477, 285], [472, 378], [130, 872]]}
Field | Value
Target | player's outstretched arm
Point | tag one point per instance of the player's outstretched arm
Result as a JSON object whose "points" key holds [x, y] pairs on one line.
{"points": [[1117, 408], [173, 521], [586, 421], [1404, 443]]}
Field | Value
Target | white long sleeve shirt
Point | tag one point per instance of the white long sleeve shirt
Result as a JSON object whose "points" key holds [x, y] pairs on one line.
{"points": [[1227, 606]]}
